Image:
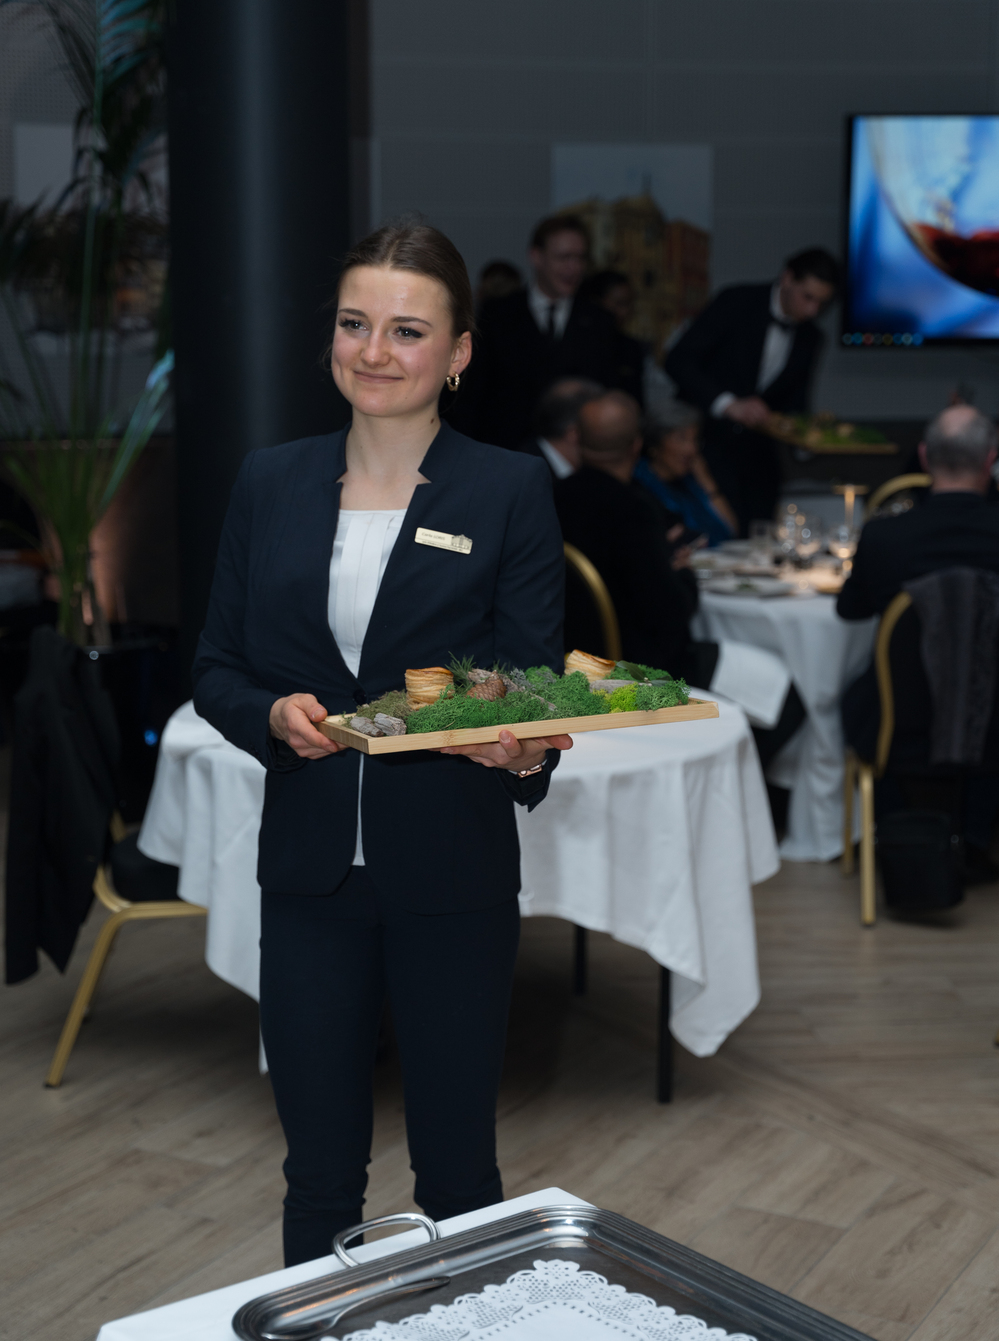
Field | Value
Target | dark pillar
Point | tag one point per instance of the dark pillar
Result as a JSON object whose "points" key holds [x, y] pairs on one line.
{"points": [[260, 125]]}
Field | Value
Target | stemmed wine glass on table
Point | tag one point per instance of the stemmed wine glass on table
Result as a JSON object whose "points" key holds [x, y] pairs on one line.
{"points": [[842, 542]]}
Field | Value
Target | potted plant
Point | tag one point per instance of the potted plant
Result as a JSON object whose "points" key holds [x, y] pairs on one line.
{"points": [[68, 459]]}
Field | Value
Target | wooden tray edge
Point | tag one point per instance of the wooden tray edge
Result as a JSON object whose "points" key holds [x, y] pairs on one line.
{"points": [[698, 709]]}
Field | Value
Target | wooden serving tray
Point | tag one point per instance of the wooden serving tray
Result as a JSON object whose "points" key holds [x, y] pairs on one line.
{"points": [[842, 447], [695, 710]]}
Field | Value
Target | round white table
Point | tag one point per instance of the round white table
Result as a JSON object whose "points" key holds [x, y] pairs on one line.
{"points": [[653, 834], [823, 654]]}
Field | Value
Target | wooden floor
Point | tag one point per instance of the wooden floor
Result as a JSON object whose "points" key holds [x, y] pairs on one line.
{"points": [[843, 1146]]}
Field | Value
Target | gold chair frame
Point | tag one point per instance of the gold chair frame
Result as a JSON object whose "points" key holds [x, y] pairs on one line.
{"points": [[122, 911], [895, 486], [601, 598], [862, 774]]}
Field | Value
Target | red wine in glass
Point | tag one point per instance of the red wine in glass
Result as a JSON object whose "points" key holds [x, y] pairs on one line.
{"points": [[972, 260]]}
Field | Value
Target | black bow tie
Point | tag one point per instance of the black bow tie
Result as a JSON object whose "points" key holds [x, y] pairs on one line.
{"points": [[784, 325]]}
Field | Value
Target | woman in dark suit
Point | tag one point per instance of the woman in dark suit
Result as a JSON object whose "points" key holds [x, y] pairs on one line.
{"points": [[400, 878]]}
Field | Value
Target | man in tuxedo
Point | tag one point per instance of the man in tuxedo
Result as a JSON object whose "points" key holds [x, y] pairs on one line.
{"points": [[750, 352], [531, 338], [556, 425]]}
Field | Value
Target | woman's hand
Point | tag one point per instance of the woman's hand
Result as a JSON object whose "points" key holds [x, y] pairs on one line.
{"points": [[291, 720], [509, 752]]}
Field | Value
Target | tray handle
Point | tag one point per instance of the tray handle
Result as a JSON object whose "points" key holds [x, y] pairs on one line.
{"points": [[403, 1218]]}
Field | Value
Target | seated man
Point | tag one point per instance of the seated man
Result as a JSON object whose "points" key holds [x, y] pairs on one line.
{"points": [[954, 527], [625, 535], [555, 424], [674, 471]]}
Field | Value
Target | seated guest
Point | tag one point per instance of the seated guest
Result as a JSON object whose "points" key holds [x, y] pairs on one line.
{"points": [[955, 527], [611, 290], [622, 534], [556, 424], [496, 280], [621, 531], [674, 471], [534, 337]]}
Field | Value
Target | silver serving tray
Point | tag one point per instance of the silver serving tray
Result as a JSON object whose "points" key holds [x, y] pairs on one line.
{"points": [[396, 1287]]}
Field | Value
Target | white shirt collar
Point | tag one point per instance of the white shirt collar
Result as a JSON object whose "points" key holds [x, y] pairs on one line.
{"points": [[560, 466], [540, 306]]}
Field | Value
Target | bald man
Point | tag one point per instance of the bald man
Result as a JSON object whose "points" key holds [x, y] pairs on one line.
{"points": [[623, 533], [954, 527]]}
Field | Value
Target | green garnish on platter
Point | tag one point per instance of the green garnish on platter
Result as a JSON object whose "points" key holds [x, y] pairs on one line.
{"points": [[464, 696]]}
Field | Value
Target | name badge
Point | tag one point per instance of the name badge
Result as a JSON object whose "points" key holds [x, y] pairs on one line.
{"points": [[458, 544]]}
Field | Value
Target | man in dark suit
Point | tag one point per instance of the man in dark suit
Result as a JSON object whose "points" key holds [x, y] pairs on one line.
{"points": [[556, 425], [532, 338], [752, 351], [624, 536], [954, 527]]}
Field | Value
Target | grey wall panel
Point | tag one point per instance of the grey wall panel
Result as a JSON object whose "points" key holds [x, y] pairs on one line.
{"points": [[821, 33]]}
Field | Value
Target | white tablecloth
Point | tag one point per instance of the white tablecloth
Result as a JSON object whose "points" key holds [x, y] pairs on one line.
{"points": [[823, 653], [652, 834], [207, 1317]]}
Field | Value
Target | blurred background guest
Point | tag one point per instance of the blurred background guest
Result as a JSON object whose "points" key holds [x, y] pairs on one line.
{"points": [[953, 528], [533, 337], [625, 534], [556, 424], [672, 468], [611, 290], [497, 279], [750, 352], [622, 533]]}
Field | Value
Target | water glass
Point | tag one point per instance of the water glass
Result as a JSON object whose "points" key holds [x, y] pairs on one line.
{"points": [[761, 542]]}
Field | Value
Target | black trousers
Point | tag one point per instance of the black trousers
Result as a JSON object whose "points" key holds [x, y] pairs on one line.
{"points": [[327, 964]]}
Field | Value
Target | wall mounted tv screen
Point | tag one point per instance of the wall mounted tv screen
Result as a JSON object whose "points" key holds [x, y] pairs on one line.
{"points": [[923, 231]]}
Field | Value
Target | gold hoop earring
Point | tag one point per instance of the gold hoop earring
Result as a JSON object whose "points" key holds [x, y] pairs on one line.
{"points": [[453, 382]]}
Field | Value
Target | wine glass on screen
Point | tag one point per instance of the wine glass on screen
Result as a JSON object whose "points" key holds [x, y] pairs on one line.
{"points": [[842, 543]]}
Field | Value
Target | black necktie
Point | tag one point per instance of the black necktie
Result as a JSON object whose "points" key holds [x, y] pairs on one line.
{"points": [[784, 325], [551, 321]]}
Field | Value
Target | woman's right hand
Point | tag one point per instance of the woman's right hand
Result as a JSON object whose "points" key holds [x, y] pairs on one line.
{"points": [[292, 719]]}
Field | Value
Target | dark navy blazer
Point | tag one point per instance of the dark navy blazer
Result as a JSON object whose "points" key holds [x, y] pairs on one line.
{"points": [[439, 831]]}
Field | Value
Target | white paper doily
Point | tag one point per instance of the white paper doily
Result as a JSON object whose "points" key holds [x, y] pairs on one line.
{"points": [[553, 1302]]}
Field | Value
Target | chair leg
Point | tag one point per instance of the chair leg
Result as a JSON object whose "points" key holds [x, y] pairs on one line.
{"points": [[579, 964], [849, 787], [868, 909], [664, 1042], [82, 999]]}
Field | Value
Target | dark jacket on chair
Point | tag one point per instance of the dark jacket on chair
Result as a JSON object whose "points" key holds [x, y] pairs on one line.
{"points": [[439, 833], [514, 362], [948, 530], [62, 794]]}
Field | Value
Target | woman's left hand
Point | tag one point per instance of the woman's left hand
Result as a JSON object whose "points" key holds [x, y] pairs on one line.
{"points": [[509, 752]]}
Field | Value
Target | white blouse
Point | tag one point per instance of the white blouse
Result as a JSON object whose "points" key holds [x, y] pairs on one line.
{"points": [[361, 550]]}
